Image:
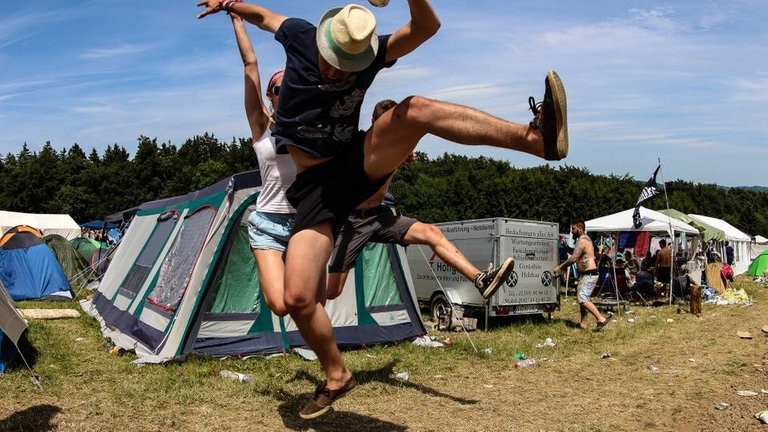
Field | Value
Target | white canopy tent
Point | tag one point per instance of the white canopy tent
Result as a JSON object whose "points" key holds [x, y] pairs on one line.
{"points": [[652, 221], [61, 224]]}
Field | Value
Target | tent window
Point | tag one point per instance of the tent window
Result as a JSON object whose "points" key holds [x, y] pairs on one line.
{"points": [[180, 262], [140, 270]]}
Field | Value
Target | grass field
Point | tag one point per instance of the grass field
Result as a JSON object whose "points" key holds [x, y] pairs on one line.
{"points": [[667, 371]]}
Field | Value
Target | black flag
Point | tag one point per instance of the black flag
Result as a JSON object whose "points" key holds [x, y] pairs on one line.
{"points": [[649, 191]]}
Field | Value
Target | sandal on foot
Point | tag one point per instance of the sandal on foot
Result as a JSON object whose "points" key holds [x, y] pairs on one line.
{"points": [[601, 325]]}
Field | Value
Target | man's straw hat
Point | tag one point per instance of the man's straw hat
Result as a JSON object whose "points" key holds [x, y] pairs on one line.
{"points": [[347, 39]]}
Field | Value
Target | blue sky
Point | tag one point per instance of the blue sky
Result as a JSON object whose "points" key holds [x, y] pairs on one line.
{"points": [[685, 82]]}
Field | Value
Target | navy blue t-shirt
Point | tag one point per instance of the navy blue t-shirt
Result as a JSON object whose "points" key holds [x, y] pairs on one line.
{"points": [[320, 119]]}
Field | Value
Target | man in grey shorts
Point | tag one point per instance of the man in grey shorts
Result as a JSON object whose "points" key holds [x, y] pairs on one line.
{"points": [[584, 257], [374, 220]]}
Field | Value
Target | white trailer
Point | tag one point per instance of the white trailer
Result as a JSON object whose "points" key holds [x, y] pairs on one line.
{"points": [[531, 289]]}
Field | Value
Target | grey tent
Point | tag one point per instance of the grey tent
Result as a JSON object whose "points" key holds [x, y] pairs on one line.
{"points": [[12, 326]]}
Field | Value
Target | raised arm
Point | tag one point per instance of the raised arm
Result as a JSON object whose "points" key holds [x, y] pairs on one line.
{"points": [[259, 16], [255, 109], [423, 25]]}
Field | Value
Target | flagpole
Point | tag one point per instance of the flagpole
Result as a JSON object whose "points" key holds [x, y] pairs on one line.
{"points": [[672, 233]]}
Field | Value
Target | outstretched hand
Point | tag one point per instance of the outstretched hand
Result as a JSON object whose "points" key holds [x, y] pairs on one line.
{"points": [[211, 7]]}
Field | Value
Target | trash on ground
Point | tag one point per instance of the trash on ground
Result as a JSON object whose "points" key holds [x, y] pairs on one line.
{"points": [[488, 351], [744, 334], [630, 320], [721, 406], [235, 376], [746, 393], [402, 376], [520, 356], [605, 355], [762, 416], [525, 363], [653, 368], [306, 353], [426, 341]]}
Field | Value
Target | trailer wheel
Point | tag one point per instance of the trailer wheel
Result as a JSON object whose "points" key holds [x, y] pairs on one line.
{"points": [[439, 306]]}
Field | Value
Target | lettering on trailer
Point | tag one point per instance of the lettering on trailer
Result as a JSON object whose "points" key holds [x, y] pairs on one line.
{"points": [[532, 232], [532, 281]]}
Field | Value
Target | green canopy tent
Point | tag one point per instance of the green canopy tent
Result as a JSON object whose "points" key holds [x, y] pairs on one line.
{"points": [[759, 264], [708, 232]]}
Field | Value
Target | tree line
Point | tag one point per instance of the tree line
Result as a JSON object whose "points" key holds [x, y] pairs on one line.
{"points": [[448, 187]]}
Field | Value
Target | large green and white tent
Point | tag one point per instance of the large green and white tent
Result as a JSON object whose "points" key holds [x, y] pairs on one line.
{"points": [[182, 281]]}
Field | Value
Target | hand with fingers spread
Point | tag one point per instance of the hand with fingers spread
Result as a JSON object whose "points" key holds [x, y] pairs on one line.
{"points": [[211, 7]]}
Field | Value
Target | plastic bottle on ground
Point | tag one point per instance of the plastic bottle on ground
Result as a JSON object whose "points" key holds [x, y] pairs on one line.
{"points": [[525, 363], [236, 376]]}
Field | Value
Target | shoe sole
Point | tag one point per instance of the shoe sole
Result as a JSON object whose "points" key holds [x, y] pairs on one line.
{"points": [[502, 275], [325, 409], [561, 112]]}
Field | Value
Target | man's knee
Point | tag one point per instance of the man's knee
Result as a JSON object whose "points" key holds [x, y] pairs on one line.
{"points": [[426, 234], [298, 301], [412, 108], [333, 291]]}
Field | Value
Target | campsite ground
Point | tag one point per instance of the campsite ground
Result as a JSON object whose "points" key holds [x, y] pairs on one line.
{"points": [[667, 371]]}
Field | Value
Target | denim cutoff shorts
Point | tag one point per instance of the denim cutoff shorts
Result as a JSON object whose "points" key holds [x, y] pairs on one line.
{"points": [[269, 230]]}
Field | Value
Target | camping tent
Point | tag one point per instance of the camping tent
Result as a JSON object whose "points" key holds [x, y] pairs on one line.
{"points": [[12, 326], [183, 281], [652, 220], [739, 240], [61, 224], [95, 252], [29, 269], [78, 270], [759, 265]]}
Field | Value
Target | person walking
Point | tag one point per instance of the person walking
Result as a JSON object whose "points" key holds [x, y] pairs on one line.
{"points": [[584, 257]]}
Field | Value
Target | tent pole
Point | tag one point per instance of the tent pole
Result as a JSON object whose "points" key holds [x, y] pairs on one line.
{"points": [[671, 233]]}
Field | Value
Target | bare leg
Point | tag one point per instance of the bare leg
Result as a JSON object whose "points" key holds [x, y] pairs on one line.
{"points": [[271, 270], [591, 308], [397, 132], [336, 283], [427, 234], [305, 277]]}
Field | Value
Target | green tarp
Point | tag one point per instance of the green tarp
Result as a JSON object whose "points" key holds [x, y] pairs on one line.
{"points": [[708, 232]]}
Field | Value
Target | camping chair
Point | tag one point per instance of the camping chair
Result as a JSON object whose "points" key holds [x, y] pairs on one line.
{"points": [[610, 293], [681, 288], [643, 284]]}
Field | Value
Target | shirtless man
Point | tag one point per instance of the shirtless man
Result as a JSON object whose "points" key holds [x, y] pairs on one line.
{"points": [[584, 257]]}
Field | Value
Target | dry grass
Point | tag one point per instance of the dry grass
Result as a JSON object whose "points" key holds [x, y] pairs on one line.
{"points": [[700, 362]]}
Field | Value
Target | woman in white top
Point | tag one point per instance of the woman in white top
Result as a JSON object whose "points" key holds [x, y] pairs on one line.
{"points": [[269, 226]]}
